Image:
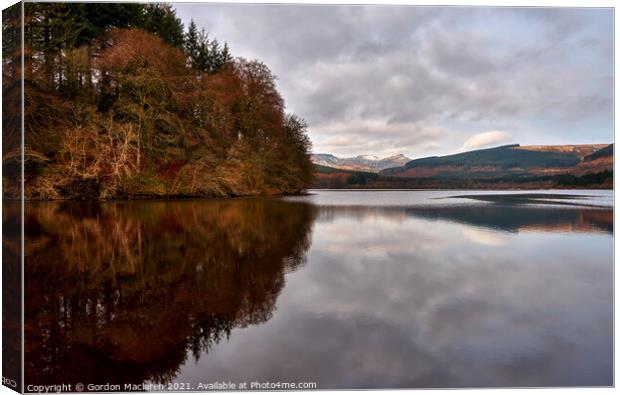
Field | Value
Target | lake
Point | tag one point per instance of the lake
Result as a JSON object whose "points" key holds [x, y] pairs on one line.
{"points": [[345, 289]]}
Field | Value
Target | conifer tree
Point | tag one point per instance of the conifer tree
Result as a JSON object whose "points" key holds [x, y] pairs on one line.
{"points": [[161, 20], [192, 44], [226, 56]]}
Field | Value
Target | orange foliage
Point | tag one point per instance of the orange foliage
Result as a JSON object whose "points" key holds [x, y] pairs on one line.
{"points": [[149, 125]]}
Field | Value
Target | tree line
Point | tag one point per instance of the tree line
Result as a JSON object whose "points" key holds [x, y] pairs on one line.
{"points": [[121, 101], [330, 178]]}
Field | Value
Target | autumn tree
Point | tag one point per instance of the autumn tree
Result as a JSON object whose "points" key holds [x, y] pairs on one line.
{"points": [[121, 103], [11, 101]]}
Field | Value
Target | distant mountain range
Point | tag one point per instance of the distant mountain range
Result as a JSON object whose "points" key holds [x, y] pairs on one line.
{"points": [[509, 160], [369, 163], [508, 166]]}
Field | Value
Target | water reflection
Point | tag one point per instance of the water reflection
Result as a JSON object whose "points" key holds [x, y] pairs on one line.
{"points": [[122, 292], [391, 296], [11, 294], [509, 218]]}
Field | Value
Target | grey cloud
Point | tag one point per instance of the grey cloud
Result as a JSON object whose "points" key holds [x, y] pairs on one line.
{"points": [[449, 69]]}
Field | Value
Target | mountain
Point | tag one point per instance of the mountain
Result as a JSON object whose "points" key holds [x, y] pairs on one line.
{"points": [[507, 160], [369, 163], [504, 167], [604, 153]]}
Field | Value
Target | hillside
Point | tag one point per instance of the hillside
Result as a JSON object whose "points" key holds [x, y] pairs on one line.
{"points": [[603, 153], [330, 177], [508, 160], [368, 163], [505, 167], [580, 151], [121, 101]]}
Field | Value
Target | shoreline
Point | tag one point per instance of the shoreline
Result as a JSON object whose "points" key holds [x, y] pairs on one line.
{"points": [[307, 192]]}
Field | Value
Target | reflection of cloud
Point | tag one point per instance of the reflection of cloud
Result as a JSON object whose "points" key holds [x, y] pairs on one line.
{"points": [[368, 226], [433, 309], [485, 237], [487, 139]]}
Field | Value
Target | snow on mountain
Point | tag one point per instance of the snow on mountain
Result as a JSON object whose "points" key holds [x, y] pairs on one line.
{"points": [[370, 163]]}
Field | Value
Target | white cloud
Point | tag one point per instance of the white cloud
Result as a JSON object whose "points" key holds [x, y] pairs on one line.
{"points": [[487, 139], [351, 138]]}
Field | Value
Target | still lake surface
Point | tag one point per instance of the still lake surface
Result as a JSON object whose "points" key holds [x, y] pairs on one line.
{"points": [[348, 289]]}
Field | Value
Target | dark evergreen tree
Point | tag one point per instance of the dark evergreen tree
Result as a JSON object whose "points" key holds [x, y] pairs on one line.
{"points": [[96, 18], [192, 44], [226, 56], [204, 54], [161, 20]]}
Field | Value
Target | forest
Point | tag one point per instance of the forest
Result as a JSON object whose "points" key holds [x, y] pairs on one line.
{"points": [[122, 101], [330, 178]]}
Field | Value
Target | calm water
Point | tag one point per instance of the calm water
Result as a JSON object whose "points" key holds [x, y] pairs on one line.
{"points": [[364, 289]]}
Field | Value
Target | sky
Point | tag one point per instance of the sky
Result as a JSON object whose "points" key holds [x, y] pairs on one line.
{"points": [[423, 81]]}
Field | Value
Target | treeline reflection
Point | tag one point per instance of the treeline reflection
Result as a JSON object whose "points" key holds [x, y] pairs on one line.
{"points": [[123, 292]]}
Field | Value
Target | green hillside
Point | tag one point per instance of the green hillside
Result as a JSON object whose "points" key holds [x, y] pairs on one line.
{"points": [[503, 157], [607, 151]]}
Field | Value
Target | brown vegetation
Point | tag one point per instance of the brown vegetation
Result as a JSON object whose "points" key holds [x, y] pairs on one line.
{"points": [[129, 107], [582, 150]]}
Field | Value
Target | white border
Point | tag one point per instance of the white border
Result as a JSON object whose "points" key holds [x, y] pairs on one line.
{"points": [[504, 3]]}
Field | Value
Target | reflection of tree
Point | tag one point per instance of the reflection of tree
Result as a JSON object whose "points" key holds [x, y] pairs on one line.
{"points": [[11, 292], [121, 292]]}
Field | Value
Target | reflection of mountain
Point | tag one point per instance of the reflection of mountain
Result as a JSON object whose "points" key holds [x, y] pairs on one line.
{"points": [[504, 217], [520, 218], [121, 292]]}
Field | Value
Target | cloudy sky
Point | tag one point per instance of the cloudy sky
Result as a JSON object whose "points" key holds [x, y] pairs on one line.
{"points": [[423, 81]]}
